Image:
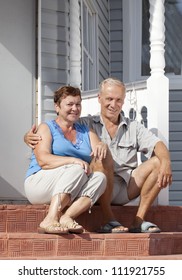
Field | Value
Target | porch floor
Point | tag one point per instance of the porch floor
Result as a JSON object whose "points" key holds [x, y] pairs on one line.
{"points": [[19, 238]]}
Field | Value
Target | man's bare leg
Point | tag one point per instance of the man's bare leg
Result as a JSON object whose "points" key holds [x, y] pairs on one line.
{"points": [[106, 166], [144, 183]]}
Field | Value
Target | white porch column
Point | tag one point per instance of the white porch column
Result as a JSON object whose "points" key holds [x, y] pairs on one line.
{"points": [[158, 84], [75, 44]]}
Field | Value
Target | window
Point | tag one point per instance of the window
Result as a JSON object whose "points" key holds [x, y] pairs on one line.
{"points": [[136, 48], [145, 59], [89, 47], [173, 53]]}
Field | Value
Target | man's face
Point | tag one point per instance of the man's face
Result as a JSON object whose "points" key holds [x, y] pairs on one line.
{"points": [[111, 100]]}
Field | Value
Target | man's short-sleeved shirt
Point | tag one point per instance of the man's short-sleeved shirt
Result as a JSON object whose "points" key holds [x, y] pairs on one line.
{"points": [[131, 137]]}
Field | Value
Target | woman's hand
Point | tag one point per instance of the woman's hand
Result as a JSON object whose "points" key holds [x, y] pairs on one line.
{"points": [[83, 164]]}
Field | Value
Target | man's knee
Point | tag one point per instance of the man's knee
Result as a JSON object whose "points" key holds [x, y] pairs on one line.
{"points": [[108, 161], [155, 163]]}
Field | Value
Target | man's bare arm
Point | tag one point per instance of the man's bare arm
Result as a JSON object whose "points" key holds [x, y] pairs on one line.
{"points": [[31, 138], [165, 172]]}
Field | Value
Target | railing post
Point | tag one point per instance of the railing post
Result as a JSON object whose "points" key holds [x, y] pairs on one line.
{"points": [[157, 83]]}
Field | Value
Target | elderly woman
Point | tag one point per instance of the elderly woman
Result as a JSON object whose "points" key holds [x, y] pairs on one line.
{"points": [[59, 173]]}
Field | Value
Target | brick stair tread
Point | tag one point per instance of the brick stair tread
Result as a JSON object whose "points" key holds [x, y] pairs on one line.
{"points": [[124, 257], [19, 238], [89, 245], [26, 218]]}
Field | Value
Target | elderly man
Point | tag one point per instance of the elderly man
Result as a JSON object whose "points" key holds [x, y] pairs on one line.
{"points": [[128, 180]]}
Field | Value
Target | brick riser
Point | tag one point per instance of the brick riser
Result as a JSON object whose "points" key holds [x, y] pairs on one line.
{"points": [[19, 237], [26, 218], [32, 245]]}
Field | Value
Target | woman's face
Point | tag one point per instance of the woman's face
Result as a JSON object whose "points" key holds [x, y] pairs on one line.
{"points": [[69, 108]]}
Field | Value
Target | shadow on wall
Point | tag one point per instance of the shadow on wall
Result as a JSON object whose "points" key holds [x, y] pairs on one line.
{"points": [[10, 191]]}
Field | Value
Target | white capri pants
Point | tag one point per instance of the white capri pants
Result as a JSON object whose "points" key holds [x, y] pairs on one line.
{"points": [[70, 179]]}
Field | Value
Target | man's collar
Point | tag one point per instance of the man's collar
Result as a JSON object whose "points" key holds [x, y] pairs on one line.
{"points": [[98, 119]]}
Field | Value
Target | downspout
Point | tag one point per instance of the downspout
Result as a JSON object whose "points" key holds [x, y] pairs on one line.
{"points": [[39, 90]]}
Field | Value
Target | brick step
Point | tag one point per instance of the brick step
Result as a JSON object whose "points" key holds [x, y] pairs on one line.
{"points": [[26, 218], [89, 245], [19, 238]]}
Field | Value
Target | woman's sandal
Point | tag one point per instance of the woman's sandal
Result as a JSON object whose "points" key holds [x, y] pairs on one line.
{"points": [[53, 229], [72, 226]]}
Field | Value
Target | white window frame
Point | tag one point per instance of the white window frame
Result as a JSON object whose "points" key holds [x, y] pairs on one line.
{"points": [[132, 45], [94, 39]]}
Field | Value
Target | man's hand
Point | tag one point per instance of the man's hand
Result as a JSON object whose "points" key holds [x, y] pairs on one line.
{"points": [[31, 138], [165, 174], [100, 151]]}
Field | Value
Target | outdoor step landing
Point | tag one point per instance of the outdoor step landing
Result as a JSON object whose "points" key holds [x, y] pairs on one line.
{"points": [[89, 245], [26, 218], [19, 238]]}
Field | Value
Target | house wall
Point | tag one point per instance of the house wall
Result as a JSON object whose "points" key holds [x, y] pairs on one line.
{"points": [[102, 7], [175, 145], [17, 89], [116, 39], [55, 50], [54, 53]]}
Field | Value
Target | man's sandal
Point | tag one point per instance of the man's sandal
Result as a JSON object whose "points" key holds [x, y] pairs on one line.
{"points": [[146, 227], [113, 227]]}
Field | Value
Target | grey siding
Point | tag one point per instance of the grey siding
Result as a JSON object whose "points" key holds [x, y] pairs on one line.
{"points": [[116, 37], [175, 146], [102, 7], [54, 51], [55, 48]]}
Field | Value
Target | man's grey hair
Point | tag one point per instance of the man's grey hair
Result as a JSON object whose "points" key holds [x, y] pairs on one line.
{"points": [[111, 81]]}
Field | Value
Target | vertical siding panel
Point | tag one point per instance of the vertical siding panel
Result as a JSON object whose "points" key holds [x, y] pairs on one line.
{"points": [[55, 48], [110, 38], [116, 37], [54, 51], [175, 146], [102, 7]]}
